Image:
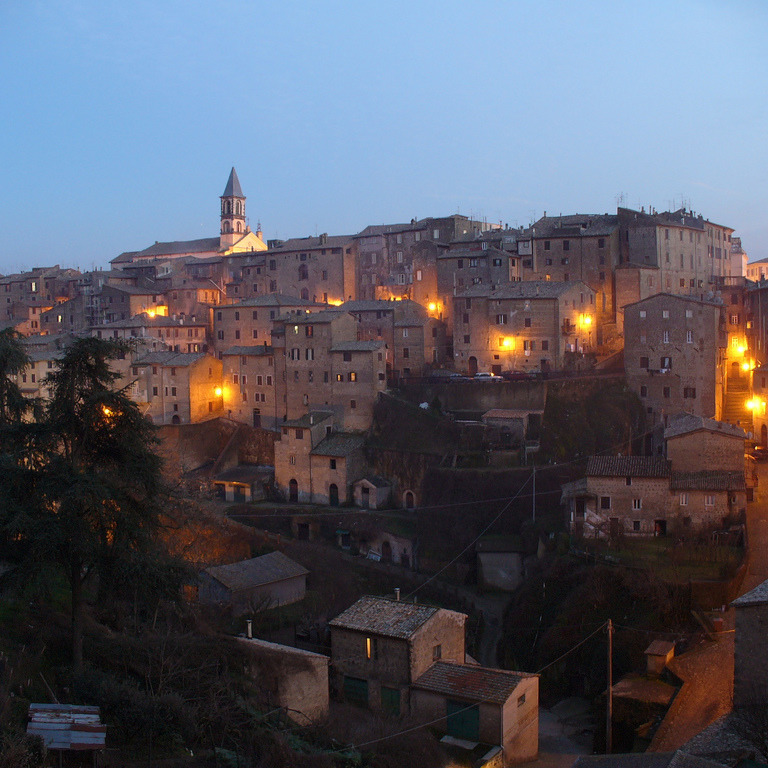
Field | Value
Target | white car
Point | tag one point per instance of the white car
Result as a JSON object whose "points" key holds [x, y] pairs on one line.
{"points": [[484, 376]]}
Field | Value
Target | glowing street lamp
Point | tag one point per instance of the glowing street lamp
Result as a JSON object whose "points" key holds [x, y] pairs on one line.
{"points": [[218, 391]]}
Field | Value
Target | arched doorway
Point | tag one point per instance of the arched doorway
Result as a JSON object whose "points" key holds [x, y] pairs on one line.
{"points": [[175, 420], [386, 552], [365, 496], [333, 495], [293, 490], [472, 365], [764, 436], [410, 500]]}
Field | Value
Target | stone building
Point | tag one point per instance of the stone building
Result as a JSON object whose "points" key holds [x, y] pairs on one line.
{"points": [[253, 392], [478, 704], [750, 673], [379, 647], [675, 354], [700, 485], [158, 332], [178, 387], [525, 326], [251, 321], [254, 585]]}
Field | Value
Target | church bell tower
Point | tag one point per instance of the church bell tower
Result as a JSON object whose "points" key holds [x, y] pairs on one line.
{"points": [[232, 212]]}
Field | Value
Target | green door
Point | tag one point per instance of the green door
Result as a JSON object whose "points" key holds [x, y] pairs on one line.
{"points": [[463, 720], [390, 700], [356, 690]]}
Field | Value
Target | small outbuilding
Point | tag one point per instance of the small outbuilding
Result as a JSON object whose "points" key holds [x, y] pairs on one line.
{"points": [[243, 483], [256, 584], [481, 705], [68, 728], [372, 492]]}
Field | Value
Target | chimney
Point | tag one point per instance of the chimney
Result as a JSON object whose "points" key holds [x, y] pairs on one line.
{"points": [[249, 628], [397, 594]]}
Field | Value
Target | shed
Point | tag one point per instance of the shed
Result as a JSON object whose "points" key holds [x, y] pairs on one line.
{"points": [[246, 482], [658, 654], [500, 562], [67, 727], [252, 585], [482, 705], [372, 492]]}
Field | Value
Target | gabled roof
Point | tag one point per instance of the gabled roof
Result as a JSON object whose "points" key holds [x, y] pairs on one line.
{"points": [[627, 466], [312, 243], [756, 596], [233, 185], [203, 245], [271, 300], [470, 682], [308, 420], [383, 616], [685, 423], [707, 480], [259, 570], [576, 225], [339, 444]]}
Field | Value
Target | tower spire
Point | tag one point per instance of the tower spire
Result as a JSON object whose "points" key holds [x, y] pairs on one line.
{"points": [[232, 212]]}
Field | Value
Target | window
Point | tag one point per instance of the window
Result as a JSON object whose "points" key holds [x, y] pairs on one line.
{"points": [[399, 257], [666, 337], [643, 362], [643, 391], [637, 503], [566, 245], [435, 234], [466, 339], [689, 392], [666, 392], [636, 526], [564, 260], [547, 262], [545, 345], [547, 245], [527, 322], [371, 648], [406, 352], [291, 459], [501, 319], [473, 262], [333, 463], [353, 404], [339, 377], [689, 337], [734, 319], [628, 481], [601, 242], [642, 314], [709, 500], [352, 376], [683, 499], [234, 378], [605, 502], [299, 434], [347, 356], [665, 363], [437, 652], [665, 314]]}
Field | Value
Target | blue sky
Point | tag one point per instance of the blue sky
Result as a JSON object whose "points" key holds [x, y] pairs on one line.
{"points": [[121, 120]]}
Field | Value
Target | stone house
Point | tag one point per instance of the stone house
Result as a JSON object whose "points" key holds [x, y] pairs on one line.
{"points": [[698, 486], [291, 678], [478, 704], [372, 492], [158, 331], [252, 390], [178, 387], [522, 326], [750, 678], [250, 321], [252, 585], [379, 647], [674, 355]]}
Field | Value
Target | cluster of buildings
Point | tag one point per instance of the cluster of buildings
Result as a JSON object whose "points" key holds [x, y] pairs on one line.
{"points": [[301, 336]]}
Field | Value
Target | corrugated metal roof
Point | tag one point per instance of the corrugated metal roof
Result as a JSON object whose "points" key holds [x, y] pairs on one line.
{"points": [[470, 682], [627, 466], [259, 570], [383, 616], [64, 726]]}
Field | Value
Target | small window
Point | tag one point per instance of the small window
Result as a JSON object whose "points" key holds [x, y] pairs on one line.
{"points": [[628, 480], [642, 314], [637, 503], [333, 463], [636, 526], [683, 499], [437, 652], [605, 502], [709, 500], [299, 434], [521, 700], [527, 322], [566, 245]]}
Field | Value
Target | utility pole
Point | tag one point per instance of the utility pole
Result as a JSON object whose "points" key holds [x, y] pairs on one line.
{"points": [[609, 698], [533, 495]]}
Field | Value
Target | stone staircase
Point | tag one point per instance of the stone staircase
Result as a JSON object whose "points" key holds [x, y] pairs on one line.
{"points": [[735, 410]]}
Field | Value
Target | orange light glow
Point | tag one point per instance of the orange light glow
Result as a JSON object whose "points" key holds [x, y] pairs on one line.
{"points": [[508, 342], [335, 302], [585, 321], [218, 391], [751, 404], [432, 306], [106, 411], [741, 349], [745, 366]]}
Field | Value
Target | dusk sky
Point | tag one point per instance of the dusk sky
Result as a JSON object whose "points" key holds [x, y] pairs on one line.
{"points": [[121, 120]]}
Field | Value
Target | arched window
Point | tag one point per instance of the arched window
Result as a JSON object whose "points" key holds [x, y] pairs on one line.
{"points": [[239, 226], [229, 206], [226, 228], [304, 293]]}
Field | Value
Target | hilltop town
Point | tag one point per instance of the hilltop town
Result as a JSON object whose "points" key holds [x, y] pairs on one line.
{"points": [[372, 412]]}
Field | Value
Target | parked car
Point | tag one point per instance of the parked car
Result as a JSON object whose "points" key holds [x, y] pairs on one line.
{"points": [[485, 376], [760, 453], [517, 375]]}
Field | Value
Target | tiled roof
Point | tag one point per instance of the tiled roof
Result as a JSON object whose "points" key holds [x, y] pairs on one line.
{"points": [[245, 473], [358, 346], [158, 321], [272, 300], [176, 359], [203, 245], [383, 616], [575, 225], [312, 243], [526, 289], [233, 185], [470, 682], [756, 596], [338, 444], [308, 419], [683, 423], [707, 480], [627, 466], [259, 570], [255, 351]]}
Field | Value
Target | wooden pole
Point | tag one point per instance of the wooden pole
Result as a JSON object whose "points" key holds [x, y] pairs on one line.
{"points": [[609, 697]]}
